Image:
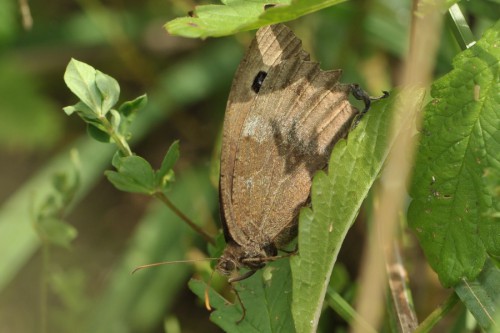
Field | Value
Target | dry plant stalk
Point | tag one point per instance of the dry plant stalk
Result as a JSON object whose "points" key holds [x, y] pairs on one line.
{"points": [[426, 27]]}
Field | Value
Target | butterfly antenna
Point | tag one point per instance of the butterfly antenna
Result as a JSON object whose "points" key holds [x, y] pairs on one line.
{"points": [[138, 268]]}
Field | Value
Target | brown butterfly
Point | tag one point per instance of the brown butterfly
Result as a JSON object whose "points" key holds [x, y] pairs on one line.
{"points": [[283, 116]]}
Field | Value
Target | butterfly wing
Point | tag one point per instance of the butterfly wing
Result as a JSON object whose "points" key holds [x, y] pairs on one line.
{"points": [[271, 45], [278, 137]]}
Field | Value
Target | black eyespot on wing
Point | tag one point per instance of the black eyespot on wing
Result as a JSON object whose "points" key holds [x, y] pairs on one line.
{"points": [[258, 81], [269, 5]]}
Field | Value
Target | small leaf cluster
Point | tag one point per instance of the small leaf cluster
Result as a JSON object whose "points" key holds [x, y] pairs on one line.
{"points": [[48, 218], [135, 174], [98, 94]]}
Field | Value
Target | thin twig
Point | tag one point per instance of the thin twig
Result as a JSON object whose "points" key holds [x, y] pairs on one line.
{"points": [[400, 291], [437, 314], [344, 310], [194, 226]]}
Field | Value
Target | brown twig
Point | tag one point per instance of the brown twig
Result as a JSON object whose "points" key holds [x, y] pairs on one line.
{"points": [[400, 292], [418, 71], [26, 17]]}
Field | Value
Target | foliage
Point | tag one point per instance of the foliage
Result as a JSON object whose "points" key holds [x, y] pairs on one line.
{"points": [[235, 16], [266, 296], [354, 166], [459, 143], [48, 219], [455, 191]]}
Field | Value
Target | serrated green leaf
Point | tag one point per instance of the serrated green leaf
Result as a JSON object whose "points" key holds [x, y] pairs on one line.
{"points": [[241, 15], [130, 107], [460, 139], [110, 90], [491, 178], [266, 296], [98, 134], [482, 295], [134, 175], [56, 232], [165, 174], [81, 80], [336, 198]]}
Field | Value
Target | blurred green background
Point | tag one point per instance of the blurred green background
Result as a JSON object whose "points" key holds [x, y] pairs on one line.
{"points": [[87, 286]]}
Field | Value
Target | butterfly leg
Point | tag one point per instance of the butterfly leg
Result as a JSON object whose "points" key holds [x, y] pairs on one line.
{"points": [[362, 95], [243, 309]]}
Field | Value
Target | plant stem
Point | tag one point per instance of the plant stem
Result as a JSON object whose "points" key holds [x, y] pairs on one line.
{"points": [[460, 28], [194, 226], [125, 149], [118, 139], [44, 286], [401, 298], [437, 314], [345, 310]]}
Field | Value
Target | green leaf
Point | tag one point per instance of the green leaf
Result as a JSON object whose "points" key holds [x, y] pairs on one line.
{"points": [[116, 120], [134, 175], [460, 140], [266, 296], [82, 109], [81, 80], [492, 180], [110, 90], [130, 107], [116, 161], [481, 295], [336, 197], [240, 15], [56, 232], [98, 134], [165, 174]]}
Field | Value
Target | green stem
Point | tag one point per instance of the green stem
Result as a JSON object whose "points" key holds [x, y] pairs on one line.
{"points": [[460, 28], [125, 149], [42, 327], [345, 310], [437, 314], [118, 139], [194, 226]]}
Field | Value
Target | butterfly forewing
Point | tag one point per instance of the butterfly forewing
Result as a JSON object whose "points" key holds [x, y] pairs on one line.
{"points": [[271, 45], [277, 136], [291, 128]]}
